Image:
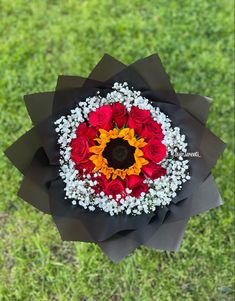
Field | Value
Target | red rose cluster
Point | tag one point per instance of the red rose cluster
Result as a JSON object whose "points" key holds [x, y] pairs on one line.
{"points": [[112, 116]]}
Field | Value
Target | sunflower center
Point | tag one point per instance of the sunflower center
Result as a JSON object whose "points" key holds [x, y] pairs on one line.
{"points": [[119, 153]]}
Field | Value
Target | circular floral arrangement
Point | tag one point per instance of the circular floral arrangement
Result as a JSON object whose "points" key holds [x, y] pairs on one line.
{"points": [[120, 153], [116, 165]]}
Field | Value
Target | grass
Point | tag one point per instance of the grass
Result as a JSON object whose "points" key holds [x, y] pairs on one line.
{"points": [[42, 39]]}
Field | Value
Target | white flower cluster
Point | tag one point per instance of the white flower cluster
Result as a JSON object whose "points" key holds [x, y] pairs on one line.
{"points": [[79, 188]]}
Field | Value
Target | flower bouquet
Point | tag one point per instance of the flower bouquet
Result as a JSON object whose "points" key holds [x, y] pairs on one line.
{"points": [[119, 158]]}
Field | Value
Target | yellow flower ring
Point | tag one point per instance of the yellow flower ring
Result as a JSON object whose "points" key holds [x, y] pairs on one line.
{"points": [[118, 153]]}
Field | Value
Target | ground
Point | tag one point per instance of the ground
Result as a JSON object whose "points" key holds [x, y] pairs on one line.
{"points": [[42, 39]]}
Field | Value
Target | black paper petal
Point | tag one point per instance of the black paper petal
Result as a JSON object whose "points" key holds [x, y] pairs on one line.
{"points": [[204, 198], [196, 105], [106, 68], [152, 71], [174, 230], [21, 152], [36, 181], [39, 106]]}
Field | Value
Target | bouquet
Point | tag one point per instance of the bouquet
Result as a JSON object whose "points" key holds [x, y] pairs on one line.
{"points": [[119, 158]]}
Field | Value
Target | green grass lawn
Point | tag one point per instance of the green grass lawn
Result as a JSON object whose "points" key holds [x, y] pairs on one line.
{"points": [[42, 39]]}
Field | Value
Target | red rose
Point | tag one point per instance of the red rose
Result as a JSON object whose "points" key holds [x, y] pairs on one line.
{"points": [[115, 187], [86, 131], [152, 129], [101, 118], [137, 117], [153, 171], [88, 166], [119, 114], [80, 150], [102, 183], [154, 150], [136, 184], [134, 125]]}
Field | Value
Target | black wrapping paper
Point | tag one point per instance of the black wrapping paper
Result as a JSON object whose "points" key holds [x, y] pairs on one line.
{"points": [[36, 155]]}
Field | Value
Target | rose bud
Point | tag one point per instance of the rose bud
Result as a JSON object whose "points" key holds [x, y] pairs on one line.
{"points": [[154, 150], [101, 118], [80, 150], [119, 114], [153, 171], [136, 184]]}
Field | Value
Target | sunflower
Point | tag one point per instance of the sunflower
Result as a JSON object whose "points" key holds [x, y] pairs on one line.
{"points": [[118, 153]]}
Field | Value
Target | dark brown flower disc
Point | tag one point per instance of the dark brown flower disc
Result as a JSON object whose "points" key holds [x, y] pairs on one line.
{"points": [[119, 153]]}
